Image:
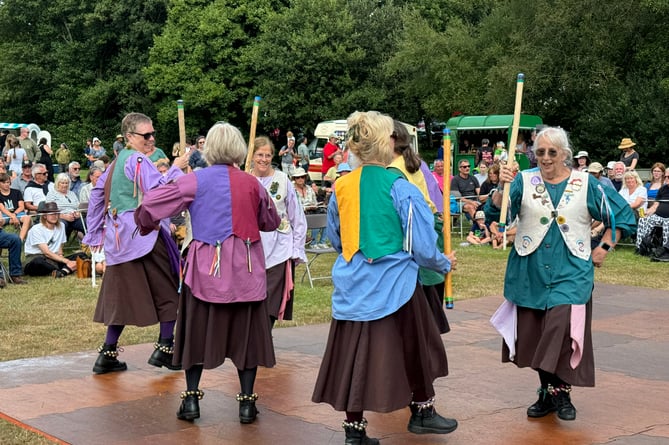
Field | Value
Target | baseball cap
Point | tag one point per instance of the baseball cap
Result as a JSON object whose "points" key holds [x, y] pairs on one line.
{"points": [[595, 167], [26, 164]]}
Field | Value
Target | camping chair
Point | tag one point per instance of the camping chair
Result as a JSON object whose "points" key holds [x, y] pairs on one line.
{"points": [[315, 221], [459, 215]]}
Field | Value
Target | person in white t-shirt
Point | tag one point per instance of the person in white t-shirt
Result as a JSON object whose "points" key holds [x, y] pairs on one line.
{"points": [[44, 245]]}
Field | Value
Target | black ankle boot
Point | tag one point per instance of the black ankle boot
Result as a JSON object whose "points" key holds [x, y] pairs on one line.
{"points": [[163, 353], [190, 405], [247, 407], [543, 406], [356, 433], [565, 409], [425, 420], [107, 361]]}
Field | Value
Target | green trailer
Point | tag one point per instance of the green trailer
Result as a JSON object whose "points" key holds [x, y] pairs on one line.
{"points": [[468, 131]]}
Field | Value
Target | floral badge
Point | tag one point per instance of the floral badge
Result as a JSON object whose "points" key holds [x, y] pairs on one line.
{"points": [[274, 188]]}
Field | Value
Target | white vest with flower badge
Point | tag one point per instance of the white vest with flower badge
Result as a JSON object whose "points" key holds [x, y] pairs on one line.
{"points": [[572, 215]]}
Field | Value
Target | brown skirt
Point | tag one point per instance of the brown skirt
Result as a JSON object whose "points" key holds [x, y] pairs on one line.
{"points": [[276, 282], [208, 333], [140, 292], [378, 365], [435, 301], [544, 343]]}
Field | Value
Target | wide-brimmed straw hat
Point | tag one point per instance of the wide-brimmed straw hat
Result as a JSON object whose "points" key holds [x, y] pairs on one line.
{"points": [[626, 143]]}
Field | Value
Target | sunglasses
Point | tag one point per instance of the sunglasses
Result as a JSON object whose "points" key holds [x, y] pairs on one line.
{"points": [[542, 152], [146, 136], [464, 166]]}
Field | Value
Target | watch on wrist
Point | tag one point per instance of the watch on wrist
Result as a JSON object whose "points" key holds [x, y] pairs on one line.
{"points": [[605, 246]]}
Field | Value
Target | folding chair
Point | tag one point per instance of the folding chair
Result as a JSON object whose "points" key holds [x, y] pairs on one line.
{"points": [[315, 221], [458, 197]]}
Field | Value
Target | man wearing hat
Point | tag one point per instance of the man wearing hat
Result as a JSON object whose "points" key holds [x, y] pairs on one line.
{"points": [[329, 152], [118, 144], [629, 156], [20, 182], [596, 169], [44, 245], [582, 161]]}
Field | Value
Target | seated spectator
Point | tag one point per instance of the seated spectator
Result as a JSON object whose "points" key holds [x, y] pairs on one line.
{"points": [[657, 215], [617, 176], [479, 233], [481, 172], [596, 169], [581, 161], [497, 235], [91, 181], [12, 207], [163, 167], [305, 194], [331, 174], [74, 170], [468, 188], [44, 245], [37, 189], [68, 204], [100, 261], [634, 192], [656, 180], [438, 173], [12, 243], [20, 182], [491, 183]]}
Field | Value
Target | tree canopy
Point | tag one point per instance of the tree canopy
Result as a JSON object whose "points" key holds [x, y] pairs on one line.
{"points": [[76, 67]]}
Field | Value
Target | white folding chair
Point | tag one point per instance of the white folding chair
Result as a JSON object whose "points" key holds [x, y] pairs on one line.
{"points": [[315, 221]]}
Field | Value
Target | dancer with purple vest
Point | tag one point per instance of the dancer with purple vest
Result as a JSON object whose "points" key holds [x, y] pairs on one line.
{"points": [[140, 284], [223, 308]]}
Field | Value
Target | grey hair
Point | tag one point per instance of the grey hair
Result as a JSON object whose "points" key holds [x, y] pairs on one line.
{"points": [[63, 177], [224, 144], [558, 137]]}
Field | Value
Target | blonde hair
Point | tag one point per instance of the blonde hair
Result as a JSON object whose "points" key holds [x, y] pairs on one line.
{"points": [[368, 136], [632, 174], [262, 141]]}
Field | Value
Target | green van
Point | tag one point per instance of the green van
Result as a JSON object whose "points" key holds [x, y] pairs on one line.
{"points": [[468, 131]]}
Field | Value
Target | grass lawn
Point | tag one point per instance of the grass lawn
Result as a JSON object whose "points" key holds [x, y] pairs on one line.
{"points": [[50, 316]]}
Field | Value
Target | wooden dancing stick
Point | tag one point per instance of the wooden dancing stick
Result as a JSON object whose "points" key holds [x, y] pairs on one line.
{"points": [[252, 133], [512, 153], [182, 126], [448, 285]]}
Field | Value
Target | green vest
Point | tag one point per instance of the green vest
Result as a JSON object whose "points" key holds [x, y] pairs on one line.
{"points": [[121, 196]]}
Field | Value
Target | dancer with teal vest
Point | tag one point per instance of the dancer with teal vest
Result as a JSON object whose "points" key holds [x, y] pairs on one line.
{"points": [[140, 283]]}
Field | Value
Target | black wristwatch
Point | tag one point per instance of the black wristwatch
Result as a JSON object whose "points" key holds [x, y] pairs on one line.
{"points": [[605, 246]]}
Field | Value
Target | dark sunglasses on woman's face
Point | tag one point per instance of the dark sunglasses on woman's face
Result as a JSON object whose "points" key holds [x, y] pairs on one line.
{"points": [[542, 152], [146, 136]]}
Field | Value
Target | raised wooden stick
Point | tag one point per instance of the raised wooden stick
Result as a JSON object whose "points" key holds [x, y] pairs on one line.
{"points": [[252, 133], [182, 126], [512, 153], [448, 285]]}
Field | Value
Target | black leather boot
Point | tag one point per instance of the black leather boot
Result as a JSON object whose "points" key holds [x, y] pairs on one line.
{"points": [[247, 407], [565, 409], [163, 353], [190, 405], [543, 406], [425, 420], [107, 361], [356, 433]]}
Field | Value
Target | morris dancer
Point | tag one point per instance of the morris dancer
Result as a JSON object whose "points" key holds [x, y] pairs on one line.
{"points": [[384, 350], [550, 274], [223, 306], [140, 284], [284, 247]]}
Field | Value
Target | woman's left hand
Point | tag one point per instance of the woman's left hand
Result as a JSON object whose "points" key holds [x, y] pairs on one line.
{"points": [[598, 256]]}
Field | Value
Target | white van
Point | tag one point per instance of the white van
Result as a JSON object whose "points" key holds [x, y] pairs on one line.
{"points": [[340, 128]]}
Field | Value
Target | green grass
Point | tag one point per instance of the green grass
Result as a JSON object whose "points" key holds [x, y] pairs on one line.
{"points": [[50, 316]]}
